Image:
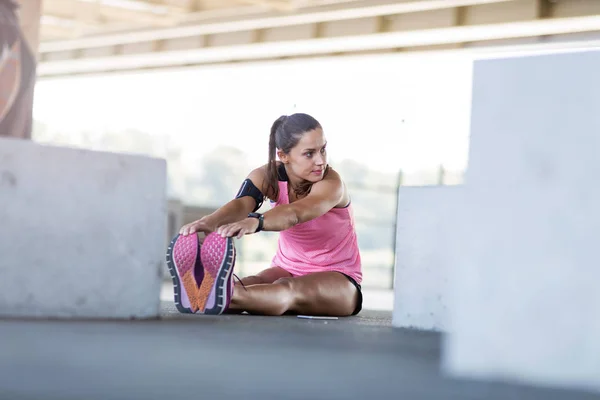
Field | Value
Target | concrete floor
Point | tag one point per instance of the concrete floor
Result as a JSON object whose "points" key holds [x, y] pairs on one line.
{"points": [[225, 357]]}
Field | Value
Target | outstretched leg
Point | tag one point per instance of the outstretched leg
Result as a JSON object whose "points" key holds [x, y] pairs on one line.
{"points": [[268, 275], [321, 293]]}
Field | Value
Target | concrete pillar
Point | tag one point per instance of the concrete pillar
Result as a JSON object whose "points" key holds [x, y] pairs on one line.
{"points": [[525, 303], [82, 233], [19, 39], [426, 221], [29, 18]]}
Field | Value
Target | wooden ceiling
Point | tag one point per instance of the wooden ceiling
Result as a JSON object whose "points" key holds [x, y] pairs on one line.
{"points": [[70, 19], [102, 36]]}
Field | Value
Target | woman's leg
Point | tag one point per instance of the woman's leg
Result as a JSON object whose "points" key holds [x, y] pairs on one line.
{"points": [[268, 275], [321, 293]]}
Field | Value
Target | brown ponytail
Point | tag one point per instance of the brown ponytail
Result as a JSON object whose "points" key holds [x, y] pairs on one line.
{"points": [[272, 182]]}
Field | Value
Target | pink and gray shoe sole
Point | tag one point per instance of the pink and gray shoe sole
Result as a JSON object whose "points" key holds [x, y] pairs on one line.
{"points": [[202, 274]]}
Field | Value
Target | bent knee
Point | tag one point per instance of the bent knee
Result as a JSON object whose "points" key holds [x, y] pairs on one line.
{"points": [[288, 293]]}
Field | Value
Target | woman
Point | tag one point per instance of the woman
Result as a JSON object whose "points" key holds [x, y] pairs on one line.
{"points": [[317, 267]]}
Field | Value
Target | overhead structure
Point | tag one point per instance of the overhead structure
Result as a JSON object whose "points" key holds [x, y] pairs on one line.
{"points": [[99, 36]]}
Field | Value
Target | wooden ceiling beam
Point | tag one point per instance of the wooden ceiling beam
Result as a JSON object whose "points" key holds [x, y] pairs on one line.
{"points": [[107, 13], [278, 5], [262, 23], [327, 46]]}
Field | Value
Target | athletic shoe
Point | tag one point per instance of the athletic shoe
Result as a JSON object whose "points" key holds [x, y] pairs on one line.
{"points": [[218, 259], [185, 266]]}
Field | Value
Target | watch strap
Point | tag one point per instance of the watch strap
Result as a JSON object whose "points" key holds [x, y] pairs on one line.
{"points": [[260, 218]]}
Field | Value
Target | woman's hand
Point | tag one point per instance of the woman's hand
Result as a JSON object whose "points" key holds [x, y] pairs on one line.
{"points": [[244, 227], [201, 225]]}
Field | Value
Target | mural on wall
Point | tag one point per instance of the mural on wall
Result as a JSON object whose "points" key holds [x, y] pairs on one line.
{"points": [[17, 75]]}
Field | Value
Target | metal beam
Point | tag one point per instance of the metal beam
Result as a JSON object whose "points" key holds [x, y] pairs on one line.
{"points": [[325, 46], [261, 23]]}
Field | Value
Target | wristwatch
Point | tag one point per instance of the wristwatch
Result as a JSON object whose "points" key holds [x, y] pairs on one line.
{"points": [[261, 219]]}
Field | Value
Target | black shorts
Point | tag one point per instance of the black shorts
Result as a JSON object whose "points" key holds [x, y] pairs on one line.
{"points": [[360, 296]]}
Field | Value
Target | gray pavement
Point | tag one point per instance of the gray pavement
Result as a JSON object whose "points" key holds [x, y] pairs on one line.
{"points": [[234, 357]]}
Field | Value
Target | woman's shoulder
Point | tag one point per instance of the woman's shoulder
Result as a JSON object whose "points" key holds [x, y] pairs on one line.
{"points": [[333, 174], [261, 178], [332, 177], [261, 173], [335, 183]]}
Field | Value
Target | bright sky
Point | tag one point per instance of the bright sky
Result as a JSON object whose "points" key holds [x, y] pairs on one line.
{"points": [[390, 112]]}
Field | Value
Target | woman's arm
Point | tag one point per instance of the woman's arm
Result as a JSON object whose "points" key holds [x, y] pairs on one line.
{"points": [[233, 211], [324, 195]]}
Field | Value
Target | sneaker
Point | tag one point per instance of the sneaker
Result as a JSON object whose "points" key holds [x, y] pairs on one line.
{"points": [[185, 266], [218, 259]]}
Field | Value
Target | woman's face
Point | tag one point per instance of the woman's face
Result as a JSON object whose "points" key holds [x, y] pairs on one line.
{"points": [[308, 159]]}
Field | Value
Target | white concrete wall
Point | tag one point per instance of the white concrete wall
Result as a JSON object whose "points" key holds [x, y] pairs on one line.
{"points": [[82, 233], [525, 303], [425, 219]]}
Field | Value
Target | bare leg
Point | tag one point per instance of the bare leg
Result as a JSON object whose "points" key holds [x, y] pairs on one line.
{"points": [[269, 275], [321, 293]]}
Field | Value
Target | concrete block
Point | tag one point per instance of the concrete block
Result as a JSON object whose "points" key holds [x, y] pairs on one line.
{"points": [[82, 233], [524, 299], [540, 138], [425, 219]]}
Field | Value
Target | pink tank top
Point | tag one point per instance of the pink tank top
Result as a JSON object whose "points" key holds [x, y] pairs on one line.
{"points": [[326, 243]]}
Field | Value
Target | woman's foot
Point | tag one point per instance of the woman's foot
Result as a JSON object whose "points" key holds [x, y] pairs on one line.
{"points": [[202, 274], [185, 265], [216, 289]]}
